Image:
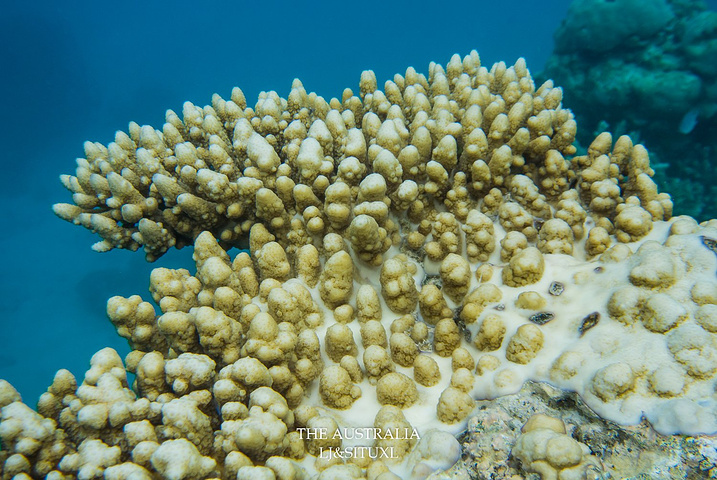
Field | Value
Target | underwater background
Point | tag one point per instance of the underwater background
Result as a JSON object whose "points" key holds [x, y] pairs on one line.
{"points": [[80, 70]]}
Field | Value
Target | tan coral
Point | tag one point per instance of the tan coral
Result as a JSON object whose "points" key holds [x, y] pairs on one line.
{"points": [[511, 244], [373, 333], [189, 372], [530, 300], [403, 349], [525, 344], [487, 363], [308, 267], [174, 290], [368, 239], [490, 334], [446, 237], [525, 268], [398, 287], [272, 262], [432, 304], [556, 236], [480, 240], [339, 341], [514, 218], [336, 387], [368, 304], [180, 459], [396, 389], [632, 223], [219, 334], [336, 283], [183, 418], [93, 457], [426, 371], [476, 301], [135, 321], [462, 358], [462, 379], [260, 434], [454, 405], [447, 337], [269, 341], [456, 276], [235, 381]]}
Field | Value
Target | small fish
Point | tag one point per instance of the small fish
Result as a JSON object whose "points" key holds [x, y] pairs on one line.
{"points": [[689, 121]]}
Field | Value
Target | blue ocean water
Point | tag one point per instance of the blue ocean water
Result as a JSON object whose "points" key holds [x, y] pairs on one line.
{"points": [[80, 70]]}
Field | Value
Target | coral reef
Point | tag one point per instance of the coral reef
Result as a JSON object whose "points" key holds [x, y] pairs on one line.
{"points": [[647, 69], [410, 250]]}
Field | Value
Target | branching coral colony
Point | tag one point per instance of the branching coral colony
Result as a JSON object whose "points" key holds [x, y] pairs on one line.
{"points": [[411, 250]]}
